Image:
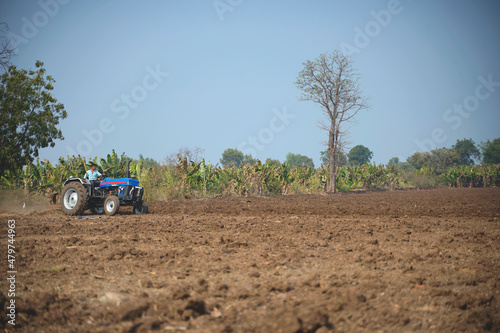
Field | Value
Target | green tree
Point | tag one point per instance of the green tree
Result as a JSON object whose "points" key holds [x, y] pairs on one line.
{"points": [[232, 156], [360, 155], [443, 159], [325, 157], [491, 151], [332, 82], [405, 166], [438, 160], [419, 159], [467, 151], [248, 159], [29, 116], [297, 160], [147, 162], [393, 161]]}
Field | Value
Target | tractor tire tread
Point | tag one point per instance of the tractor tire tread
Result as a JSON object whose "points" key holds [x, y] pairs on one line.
{"points": [[82, 198]]}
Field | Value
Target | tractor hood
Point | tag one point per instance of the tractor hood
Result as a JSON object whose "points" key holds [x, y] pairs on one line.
{"points": [[107, 182]]}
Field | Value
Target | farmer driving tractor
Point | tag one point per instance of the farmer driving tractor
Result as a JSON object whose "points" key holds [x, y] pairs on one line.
{"points": [[106, 196], [92, 175]]}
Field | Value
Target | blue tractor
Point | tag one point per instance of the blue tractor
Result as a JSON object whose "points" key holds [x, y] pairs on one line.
{"points": [[105, 196]]}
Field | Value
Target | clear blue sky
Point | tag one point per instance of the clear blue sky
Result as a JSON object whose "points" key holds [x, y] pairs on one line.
{"points": [[153, 76]]}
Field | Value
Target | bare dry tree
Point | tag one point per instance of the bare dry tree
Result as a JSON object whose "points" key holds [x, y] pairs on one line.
{"points": [[332, 82], [191, 155], [6, 49]]}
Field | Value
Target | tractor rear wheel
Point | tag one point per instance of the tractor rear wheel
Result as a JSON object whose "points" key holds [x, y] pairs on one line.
{"points": [[74, 198], [111, 205]]}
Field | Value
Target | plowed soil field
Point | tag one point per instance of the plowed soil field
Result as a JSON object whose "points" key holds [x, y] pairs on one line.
{"points": [[388, 261]]}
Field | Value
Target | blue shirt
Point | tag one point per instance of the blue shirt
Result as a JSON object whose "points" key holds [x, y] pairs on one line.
{"points": [[92, 175]]}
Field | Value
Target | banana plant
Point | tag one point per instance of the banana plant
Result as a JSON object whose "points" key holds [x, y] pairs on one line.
{"points": [[425, 171], [113, 166], [31, 177], [54, 176]]}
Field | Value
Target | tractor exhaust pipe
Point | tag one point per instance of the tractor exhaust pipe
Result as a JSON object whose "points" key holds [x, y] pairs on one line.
{"points": [[128, 168]]}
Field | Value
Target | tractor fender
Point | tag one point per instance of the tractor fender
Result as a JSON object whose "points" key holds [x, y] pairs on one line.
{"points": [[75, 179]]}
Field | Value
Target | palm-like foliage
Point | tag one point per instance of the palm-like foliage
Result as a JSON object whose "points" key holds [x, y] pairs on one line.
{"points": [[472, 176], [114, 166], [191, 180]]}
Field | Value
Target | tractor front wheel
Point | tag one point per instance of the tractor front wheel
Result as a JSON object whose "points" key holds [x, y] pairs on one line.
{"points": [[74, 198], [111, 205]]}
